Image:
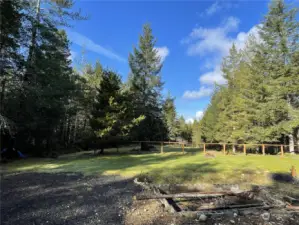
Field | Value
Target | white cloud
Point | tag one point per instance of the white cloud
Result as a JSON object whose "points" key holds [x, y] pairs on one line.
{"points": [[218, 6], [87, 43], [163, 52], [215, 7], [190, 120], [203, 41], [202, 92], [213, 44], [199, 115], [72, 55], [212, 77]]}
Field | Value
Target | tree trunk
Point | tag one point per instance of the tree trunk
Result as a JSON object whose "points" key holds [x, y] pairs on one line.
{"points": [[291, 143], [31, 57], [84, 123], [234, 149], [297, 138], [75, 130], [2, 95]]}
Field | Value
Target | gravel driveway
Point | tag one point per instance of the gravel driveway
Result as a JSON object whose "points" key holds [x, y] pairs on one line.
{"points": [[63, 198]]}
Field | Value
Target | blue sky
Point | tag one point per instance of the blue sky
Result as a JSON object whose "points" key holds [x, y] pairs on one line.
{"points": [[192, 37]]}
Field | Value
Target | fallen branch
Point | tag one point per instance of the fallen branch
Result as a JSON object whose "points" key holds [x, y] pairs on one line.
{"points": [[191, 195], [181, 195], [223, 211], [157, 191], [232, 207]]}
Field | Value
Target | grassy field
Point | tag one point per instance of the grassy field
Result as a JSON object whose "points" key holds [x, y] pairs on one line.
{"points": [[171, 167]]}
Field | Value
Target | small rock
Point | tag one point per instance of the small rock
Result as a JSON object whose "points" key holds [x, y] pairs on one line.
{"points": [[265, 216], [235, 214], [232, 221], [256, 213], [202, 217], [235, 188], [245, 212], [188, 214]]}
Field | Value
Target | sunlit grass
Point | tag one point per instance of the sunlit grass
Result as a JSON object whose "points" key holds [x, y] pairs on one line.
{"points": [[172, 166]]}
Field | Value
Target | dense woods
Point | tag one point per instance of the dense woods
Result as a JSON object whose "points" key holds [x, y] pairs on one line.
{"points": [[47, 105], [260, 101]]}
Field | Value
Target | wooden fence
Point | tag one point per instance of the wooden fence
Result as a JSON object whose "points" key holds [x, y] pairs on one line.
{"points": [[224, 145]]}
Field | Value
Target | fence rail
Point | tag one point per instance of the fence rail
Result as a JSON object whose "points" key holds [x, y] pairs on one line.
{"points": [[204, 145]]}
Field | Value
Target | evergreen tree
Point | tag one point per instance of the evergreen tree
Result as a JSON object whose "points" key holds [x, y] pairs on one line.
{"points": [[196, 133], [259, 103], [234, 116], [184, 130], [209, 122], [279, 34], [111, 114], [11, 60], [40, 92], [170, 117], [145, 83], [11, 25]]}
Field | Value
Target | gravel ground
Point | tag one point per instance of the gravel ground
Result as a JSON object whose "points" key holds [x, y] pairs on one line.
{"points": [[63, 198], [69, 198]]}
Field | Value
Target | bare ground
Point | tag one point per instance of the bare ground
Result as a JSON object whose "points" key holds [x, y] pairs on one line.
{"points": [[71, 198], [48, 198], [151, 212]]}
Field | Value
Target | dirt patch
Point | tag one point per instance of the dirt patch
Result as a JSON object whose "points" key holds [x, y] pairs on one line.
{"points": [[149, 212]]}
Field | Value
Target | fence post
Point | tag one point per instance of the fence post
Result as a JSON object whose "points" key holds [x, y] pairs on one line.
{"points": [[162, 148], [281, 150], [293, 172], [263, 148], [224, 149], [244, 149], [204, 148]]}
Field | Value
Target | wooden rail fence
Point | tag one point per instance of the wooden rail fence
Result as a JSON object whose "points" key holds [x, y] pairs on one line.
{"points": [[224, 149]]}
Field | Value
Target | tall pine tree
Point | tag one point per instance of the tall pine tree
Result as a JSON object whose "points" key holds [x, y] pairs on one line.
{"points": [[146, 85]]}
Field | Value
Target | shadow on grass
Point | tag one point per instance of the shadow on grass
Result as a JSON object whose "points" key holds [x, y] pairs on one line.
{"points": [[106, 163], [282, 178], [184, 173]]}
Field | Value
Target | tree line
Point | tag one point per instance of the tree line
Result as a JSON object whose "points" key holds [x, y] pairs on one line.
{"points": [[260, 101], [47, 105]]}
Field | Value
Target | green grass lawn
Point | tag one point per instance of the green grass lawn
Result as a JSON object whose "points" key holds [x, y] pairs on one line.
{"points": [[171, 167]]}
